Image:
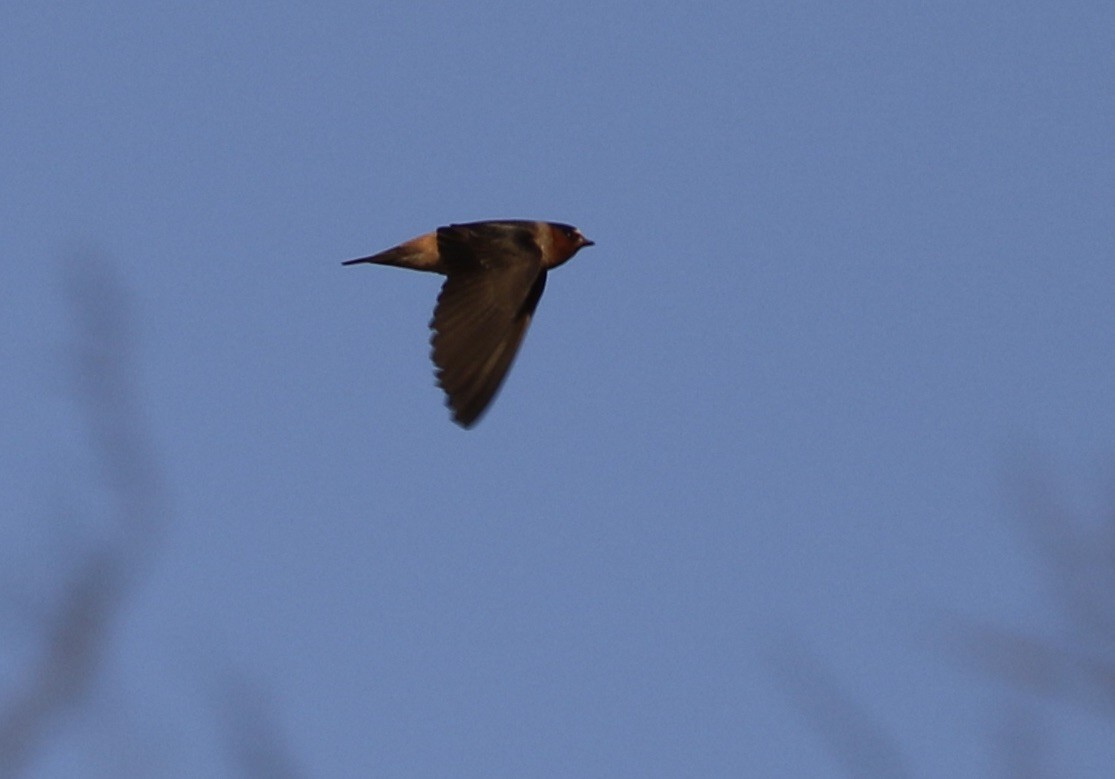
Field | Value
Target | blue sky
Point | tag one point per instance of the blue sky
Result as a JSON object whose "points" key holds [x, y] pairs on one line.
{"points": [[854, 265]]}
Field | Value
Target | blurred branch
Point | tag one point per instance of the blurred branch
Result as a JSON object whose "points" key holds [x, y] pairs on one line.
{"points": [[1079, 558], [252, 736], [75, 639], [80, 622], [1067, 672], [105, 384], [851, 733]]}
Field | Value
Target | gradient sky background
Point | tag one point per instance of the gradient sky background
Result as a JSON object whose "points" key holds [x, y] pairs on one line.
{"points": [[854, 265]]}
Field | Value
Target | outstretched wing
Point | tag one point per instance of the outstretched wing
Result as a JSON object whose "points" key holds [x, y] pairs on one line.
{"points": [[493, 283]]}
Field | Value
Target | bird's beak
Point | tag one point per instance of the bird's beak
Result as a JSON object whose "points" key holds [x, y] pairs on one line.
{"points": [[587, 242]]}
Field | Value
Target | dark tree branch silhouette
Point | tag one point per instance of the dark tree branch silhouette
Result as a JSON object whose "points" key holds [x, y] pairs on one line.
{"points": [[1079, 563], [852, 735], [252, 737], [78, 624]]}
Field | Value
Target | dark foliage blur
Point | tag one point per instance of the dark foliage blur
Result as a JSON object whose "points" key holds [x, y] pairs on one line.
{"points": [[98, 574]]}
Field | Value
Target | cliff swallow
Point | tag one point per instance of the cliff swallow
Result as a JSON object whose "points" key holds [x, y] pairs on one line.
{"points": [[495, 273]]}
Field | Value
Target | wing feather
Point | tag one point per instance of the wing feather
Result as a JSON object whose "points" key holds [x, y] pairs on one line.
{"points": [[493, 284]]}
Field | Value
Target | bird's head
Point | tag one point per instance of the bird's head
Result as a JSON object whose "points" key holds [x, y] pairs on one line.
{"points": [[565, 241]]}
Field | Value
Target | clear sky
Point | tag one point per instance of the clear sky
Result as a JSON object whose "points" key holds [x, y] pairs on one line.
{"points": [[855, 262]]}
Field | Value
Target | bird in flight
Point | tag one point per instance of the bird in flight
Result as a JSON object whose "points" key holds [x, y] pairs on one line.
{"points": [[494, 276]]}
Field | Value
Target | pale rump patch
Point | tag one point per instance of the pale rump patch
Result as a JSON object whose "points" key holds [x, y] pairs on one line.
{"points": [[422, 253]]}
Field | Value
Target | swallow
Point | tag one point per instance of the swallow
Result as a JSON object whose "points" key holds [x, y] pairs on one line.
{"points": [[494, 276]]}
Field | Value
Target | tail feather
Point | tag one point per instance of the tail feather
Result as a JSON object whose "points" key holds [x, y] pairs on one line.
{"points": [[420, 253], [396, 256]]}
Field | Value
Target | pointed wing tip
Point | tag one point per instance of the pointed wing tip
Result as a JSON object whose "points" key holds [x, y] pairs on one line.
{"points": [[465, 416], [464, 424]]}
